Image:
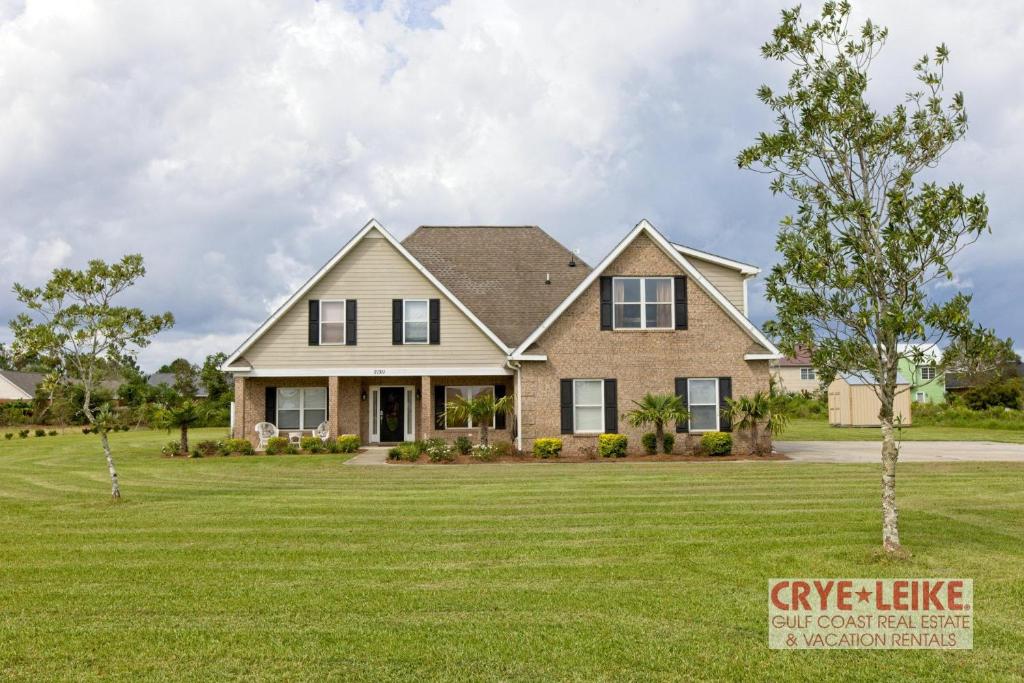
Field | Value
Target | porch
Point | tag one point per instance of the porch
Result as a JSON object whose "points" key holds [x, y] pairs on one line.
{"points": [[380, 409]]}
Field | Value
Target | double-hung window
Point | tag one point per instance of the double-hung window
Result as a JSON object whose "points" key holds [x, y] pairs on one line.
{"points": [[467, 393], [301, 408], [703, 404], [643, 303], [588, 406], [416, 321], [807, 373], [332, 322], [927, 372]]}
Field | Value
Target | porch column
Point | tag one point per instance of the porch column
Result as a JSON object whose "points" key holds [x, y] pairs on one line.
{"points": [[426, 418], [333, 406], [239, 431]]}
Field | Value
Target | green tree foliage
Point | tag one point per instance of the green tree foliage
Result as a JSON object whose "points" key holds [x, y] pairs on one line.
{"points": [[657, 411], [182, 416], [759, 410], [73, 320], [214, 380], [869, 237], [479, 409], [981, 357]]}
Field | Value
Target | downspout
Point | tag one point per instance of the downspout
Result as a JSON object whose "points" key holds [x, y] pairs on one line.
{"points": [[516, 367]]}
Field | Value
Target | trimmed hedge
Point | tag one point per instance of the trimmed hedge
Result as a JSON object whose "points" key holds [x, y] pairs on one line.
{"points": [[349, 443], [716, 443], [277, 445], [547, 448], [612, 445]]}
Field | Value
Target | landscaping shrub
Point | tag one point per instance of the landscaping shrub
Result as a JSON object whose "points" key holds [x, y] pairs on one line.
{"points": [[438, 450], [716, 443], [172, 448], [547, 448], [669, 443], [196, 453], [86, 430], [650, 443], [958, 415], [207, 448], [52, 432], [394, 453], [240, 446], [15, 413], [484, 453], [23, 434], [8, 436], [463, 445], [40, 432], [503, 449], [348, 443], [612, 445], [277, 445], [407, 451], [312, 444], [332, 446], [804, 404], [1002, 394]]}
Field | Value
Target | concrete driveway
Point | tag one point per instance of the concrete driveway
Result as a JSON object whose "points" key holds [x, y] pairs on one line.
{"points": [[910, 451]]}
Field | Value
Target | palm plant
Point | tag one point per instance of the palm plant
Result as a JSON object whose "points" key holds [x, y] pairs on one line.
{"points": [[182, 416], [478, 410], [760, 408], [657, 410]]}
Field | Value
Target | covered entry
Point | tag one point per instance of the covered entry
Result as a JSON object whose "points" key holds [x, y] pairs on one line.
{"points": [[392, 413]]}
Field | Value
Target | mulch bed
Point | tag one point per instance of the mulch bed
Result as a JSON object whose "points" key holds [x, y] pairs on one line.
{"points": [[523, 459]]}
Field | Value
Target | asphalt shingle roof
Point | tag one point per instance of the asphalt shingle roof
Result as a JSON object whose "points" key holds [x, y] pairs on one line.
{"points": [[26, 381], [499, 272]]}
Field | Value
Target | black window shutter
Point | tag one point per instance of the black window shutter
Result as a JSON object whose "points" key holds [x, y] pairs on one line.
{"points": [[314, 322], [606, 302], [724, 392], [682, 311], [396, 321], [270, 405], [435, 321], [611, 406], [439, 406], [499, 418], [683, 393], [350, 322], [566, 403]]}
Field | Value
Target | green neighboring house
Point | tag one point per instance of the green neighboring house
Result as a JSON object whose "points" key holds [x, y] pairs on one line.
{"points": [[927, 382]]}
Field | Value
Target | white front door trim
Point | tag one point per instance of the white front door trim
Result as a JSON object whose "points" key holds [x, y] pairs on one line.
{"points": [[375, 411]]}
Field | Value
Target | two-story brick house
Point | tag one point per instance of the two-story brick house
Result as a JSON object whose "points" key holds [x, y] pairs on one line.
{"points": [[386, 332]]}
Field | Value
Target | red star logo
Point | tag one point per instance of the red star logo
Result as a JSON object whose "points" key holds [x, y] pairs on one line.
{"points": [[863, 594]]}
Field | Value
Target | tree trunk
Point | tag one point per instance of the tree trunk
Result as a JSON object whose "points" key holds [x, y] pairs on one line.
{"points": [[115, 489], [755, 446], [184, 439], [483, 433], [890, 515], [659, 435]]}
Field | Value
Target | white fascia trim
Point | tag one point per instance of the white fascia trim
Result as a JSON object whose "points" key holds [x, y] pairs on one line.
{"points": [[371, 225], [375, 372], [744, 268], [531, 356], [762, 356], [675, 255]]}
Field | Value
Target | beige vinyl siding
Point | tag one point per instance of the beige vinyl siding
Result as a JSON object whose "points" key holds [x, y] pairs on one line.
{"points": [[726, 280], [373, 273], [788, 378]]}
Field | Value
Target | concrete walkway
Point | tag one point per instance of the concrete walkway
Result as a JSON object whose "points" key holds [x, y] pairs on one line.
{"points": [[372, 455], [910, 451]]}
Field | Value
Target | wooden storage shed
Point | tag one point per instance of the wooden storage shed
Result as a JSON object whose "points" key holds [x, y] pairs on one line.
{"points": [[852, 402]]}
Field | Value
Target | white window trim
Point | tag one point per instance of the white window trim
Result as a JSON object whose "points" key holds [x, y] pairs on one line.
{"points": [[405, 320], [344, 327], [671, 303], [718, 398], [928, 367], [574, 406], [808, 371], [469, 423], [302, 409]]}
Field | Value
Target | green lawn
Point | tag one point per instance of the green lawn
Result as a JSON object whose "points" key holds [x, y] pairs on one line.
{"points": [[299, 567], [818, 429]]}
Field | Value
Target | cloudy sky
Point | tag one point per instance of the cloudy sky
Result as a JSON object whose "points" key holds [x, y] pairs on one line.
{"points": [[238, 143]]}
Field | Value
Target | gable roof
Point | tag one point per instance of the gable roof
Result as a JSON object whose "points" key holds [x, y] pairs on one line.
{"points": [[802, 358], [744, 268], [319, 275], [26, 381], [500, 272], [670, 250]]}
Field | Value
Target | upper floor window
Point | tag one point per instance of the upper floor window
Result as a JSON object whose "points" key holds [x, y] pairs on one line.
{"points": [[927, 372], [643, 303], [416, 321], [332, 322], [807, 373]]}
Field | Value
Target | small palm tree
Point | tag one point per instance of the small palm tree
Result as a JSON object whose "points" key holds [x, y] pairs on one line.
{"points": [[760, 408], [183, 416], [657, 410], [479, 410]]}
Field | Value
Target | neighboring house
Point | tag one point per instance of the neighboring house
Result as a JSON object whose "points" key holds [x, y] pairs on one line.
{"points": [[796, 374], [167, 379], [852, 401], [927, 381], [387, 332], [18, 386]]}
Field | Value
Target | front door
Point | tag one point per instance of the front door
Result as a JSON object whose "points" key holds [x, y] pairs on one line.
{"points": [[392, 414]]}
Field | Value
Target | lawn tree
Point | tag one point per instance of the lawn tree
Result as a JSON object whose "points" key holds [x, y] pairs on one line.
{"points": [[479, 409], [762, 408], [72, 319], [870, 237], [181, 415], [657, 411], [981, 357]]}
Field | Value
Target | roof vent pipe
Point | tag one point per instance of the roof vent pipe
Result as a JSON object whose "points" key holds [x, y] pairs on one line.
{"points": [[572, 258]]}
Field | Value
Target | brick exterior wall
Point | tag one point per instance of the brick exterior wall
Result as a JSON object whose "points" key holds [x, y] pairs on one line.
{"points": [[640, 360]]}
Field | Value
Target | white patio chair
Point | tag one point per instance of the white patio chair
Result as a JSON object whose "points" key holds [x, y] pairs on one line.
{"points": [[265, 431], [323, 432]]}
